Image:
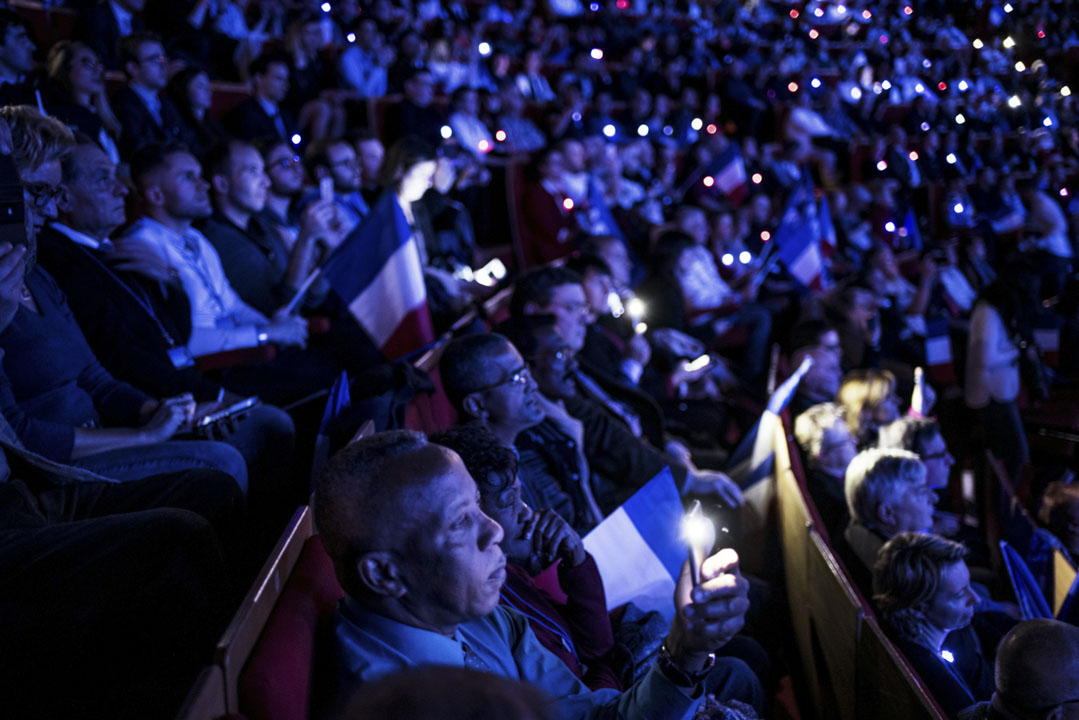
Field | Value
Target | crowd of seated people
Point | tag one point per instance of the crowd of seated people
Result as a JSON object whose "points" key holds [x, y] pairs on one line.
{"points": [[226, 207]]}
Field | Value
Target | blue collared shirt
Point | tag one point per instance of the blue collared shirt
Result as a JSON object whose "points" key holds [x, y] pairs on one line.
{"points": [[369, 646]]}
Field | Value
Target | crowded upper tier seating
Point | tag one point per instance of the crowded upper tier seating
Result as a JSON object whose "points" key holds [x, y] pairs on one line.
{"points": [[603, 254]]}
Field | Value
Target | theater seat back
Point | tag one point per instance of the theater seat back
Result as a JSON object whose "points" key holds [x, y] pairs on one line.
{"points": [[277, 681]]}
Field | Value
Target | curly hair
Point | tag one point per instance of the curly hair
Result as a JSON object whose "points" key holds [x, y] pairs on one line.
{"points": [[906, 578], [491, 464]]}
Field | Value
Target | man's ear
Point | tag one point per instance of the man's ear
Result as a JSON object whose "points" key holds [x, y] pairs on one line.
{"points": [[473, 405], [886, 514], [153, 196], [380, 573], [220, 184]]}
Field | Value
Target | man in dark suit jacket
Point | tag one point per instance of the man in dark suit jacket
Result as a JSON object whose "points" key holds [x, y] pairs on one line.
{"points": [[147, 116], [416, 114], [261, 115], [102, 27]]}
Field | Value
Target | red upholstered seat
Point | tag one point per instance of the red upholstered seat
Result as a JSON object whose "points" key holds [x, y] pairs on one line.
{"points": [[276, 682]]}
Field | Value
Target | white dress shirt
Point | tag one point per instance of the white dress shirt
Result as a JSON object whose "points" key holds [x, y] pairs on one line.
{"points": [[220, 320]]}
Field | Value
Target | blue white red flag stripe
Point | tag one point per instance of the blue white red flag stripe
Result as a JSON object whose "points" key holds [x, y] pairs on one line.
{"points": [[378, 272]]}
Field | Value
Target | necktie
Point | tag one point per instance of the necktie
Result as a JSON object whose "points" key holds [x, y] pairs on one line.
{"points": [[280, 125], [474, 661]]}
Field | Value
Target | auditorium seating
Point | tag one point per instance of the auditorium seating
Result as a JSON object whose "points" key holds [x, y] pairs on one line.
{"points": [[850, 668]]}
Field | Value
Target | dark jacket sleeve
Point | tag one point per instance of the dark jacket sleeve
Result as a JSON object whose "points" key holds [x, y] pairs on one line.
{"points": [[48, 439], [614, 452]]}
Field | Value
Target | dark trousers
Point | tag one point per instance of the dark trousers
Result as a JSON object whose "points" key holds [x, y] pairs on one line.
{"points": [[1005, 436], [112, 595]]}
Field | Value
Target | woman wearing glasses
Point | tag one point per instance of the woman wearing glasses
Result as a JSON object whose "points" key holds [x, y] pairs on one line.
{"points": [[75, 94]]}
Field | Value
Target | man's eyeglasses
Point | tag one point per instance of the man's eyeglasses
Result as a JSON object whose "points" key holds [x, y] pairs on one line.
{"points": [[520, 376], [42, 193], [286, 162]]}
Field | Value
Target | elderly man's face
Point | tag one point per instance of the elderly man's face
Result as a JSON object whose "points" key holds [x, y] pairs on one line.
{"points": [[912, 508], [837, 448], [554, 365], [509, 510], [511, 398], [570, 308], [454, 567]]}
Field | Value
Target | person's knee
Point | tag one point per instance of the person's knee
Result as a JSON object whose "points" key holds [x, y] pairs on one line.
{"points": [[227, 459]]}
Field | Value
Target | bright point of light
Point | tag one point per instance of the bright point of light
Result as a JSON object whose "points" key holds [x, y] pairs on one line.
{"points": [[765, 236], [841, 9], [958, 208], [727, 259], [484, 48], [711, 129], [446, 132], [924, 126], [640, 328], [696, 123], [594, 7], [902, 232], [866, 14], [484, 146], [887, 84], [919, 88], [296, 139], [596, 54], [614, 302], [567, 203], [668, 130], [1008, 7], [1009, 42], [951, 159], [709, 181], [1041, 34], [959, 119], [963, 86], [609, 130], [576, 117], [1014, 101], [819, 12], [814, 83], [1063, 192], [927, 63], [757, 178], [942, 86], [813, 34], [1065, 91], [794, 14], [622, 4], [500, 135], [913, 155], [978, 44], [883, 39], [642, 130], [856, 93], [877, 88], [1047, 122], [351, 37], [946, 654], [744, 257], [908, 10], [325, 7], [1020, 66], [882, 166], [635, 307], [792, 86], [889, 226]]}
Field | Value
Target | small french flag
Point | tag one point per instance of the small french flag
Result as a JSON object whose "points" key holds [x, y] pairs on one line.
{"points": [[639, 548]]}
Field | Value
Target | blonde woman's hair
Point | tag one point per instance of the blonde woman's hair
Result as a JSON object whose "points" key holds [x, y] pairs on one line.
{"points": [[906, 577], [37, 138], [860, 392], [810, 426]]}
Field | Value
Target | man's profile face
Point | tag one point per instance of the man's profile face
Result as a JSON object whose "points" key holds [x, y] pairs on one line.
{"points": [[18, 50], [453, 567], [554, 365], [369, 154], [248, 182], [937, 460], [837, 448], [94, 202], [344, 169], [150, 66], [597, 288], [285, 171], [912, 507], [511, 396], [186, 193], [570, 308], [273, 84]]}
